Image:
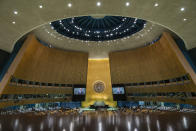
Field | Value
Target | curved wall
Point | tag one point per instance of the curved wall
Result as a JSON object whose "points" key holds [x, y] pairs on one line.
{"points": [[43, 64], [4, 56], [151, 63]]}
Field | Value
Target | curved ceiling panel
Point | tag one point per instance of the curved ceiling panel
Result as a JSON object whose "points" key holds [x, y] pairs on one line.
{"points": [[19, 17], [99, 49], [89, 28]]}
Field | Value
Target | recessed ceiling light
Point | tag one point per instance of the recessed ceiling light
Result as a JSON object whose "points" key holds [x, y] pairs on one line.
{"points": [[127, 4], [184, 19], [156, 4], [40, 6], [15, 12], [182, 9], [13, 22], [69, 5], [98, 3]]}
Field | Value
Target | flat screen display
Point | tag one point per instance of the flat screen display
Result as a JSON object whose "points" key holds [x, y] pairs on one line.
{"points": [[118, 90], [79, 91]]}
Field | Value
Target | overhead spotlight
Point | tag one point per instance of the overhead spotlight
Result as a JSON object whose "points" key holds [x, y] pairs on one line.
{"points": [[127, 3], [156, 4], [15, 12], [69, 5], [182, 9], [40, 6], [98, 3]]}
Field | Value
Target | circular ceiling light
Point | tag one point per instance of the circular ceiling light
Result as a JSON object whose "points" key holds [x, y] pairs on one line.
{"points": [[69, 5], [98, 3], [127, 4], [156, 4], [40, 6], [15, 12], [182, 9]]}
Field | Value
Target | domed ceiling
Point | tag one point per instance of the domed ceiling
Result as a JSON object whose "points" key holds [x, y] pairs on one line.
{"points": [[19, 17], [98, 35], [90, 28]]}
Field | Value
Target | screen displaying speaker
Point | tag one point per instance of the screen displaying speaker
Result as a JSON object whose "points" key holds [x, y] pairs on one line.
{"points": [[79, 91], [118, 90]]}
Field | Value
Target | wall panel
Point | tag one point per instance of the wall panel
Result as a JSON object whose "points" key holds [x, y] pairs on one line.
{"points": [[44, 64], [151, 63], [13, 89], [189, 87]]}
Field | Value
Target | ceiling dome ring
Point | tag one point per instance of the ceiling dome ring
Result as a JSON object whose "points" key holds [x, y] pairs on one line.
{"points": [[88, 28]]}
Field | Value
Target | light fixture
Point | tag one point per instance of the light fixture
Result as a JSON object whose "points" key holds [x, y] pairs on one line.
{"points": [[98, 3], [127, 4], [40, 6], [182, 9], [156, 4], [69, 5], [13, 22], [15, 12], [184, 19]]}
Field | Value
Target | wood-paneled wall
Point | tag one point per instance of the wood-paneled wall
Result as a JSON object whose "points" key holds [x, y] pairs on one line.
{"points": [[13, 89], [151, 63], [189, 87], [32, 101], [6, 78], [51, 65]]}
